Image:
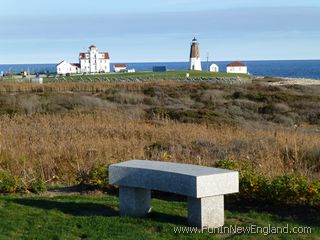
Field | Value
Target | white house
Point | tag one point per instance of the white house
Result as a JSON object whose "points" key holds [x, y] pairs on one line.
{"points": [[94, 61], [195, 62], [68, 68], [237, 67], [214, 68], [120, 67]]}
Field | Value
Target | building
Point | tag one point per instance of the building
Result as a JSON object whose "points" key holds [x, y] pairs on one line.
{"points": [[64, 68], [214, 68], [120, 67], [195, 62], [94, 61], [237, 67], [159, 68], [89, 62]]}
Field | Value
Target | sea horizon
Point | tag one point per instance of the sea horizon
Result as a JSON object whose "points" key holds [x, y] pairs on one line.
{"points": [[308, 69], [116, 62]]}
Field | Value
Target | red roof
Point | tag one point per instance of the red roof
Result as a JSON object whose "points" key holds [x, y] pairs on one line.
{"points": [[236, 64], [75, 64], [82, 55], [106, 55], [120, 65]]}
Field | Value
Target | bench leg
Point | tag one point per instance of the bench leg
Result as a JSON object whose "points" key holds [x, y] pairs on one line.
{"points": [[134, 202], [206, 212]]}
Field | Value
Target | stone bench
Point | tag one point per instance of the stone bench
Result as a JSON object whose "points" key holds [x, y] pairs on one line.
{"points": [[205, 188]]}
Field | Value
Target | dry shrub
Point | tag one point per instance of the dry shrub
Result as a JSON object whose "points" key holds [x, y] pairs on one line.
{"points": [[124, 97], [62, 130], [212, 95], [63, 146], [102, 86]]}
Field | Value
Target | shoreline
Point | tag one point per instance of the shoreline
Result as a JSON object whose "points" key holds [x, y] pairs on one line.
{"points": [[297, 81]]}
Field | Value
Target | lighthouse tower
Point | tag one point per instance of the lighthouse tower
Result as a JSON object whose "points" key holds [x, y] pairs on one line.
{"points": [[195, 62]]}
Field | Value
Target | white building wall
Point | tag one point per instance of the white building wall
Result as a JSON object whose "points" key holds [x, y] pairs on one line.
{"points": [[85, 65], [104, 65], [195, 64], [93, 60], [237, 69], [214, 68], [66, 68], [107, 65], [119, 69]]}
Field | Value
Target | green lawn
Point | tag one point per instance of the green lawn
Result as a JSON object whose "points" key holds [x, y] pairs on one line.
{"points": [[96, 217], [169, 75]]}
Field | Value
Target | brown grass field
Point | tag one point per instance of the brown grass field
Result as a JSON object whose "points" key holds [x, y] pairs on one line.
{"points": [[61, 130]]}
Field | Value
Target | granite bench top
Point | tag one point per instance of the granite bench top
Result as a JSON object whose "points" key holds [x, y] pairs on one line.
{"points": [[185, 179]]}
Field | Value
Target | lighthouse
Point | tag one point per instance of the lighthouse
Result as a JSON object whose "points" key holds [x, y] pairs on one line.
{"points": [[195, 62]]}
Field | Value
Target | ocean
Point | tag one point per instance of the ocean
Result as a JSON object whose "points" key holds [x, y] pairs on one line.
{"points": [[285, 68]]}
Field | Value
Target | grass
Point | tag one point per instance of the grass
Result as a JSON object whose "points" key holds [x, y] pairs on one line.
{"points": [[169, 75], [96, 217]]}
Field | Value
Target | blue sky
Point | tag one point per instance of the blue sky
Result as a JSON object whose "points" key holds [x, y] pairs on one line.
{"points": [[37, 31]]}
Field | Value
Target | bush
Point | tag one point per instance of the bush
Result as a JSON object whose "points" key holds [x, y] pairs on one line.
{"points": [[280, 119], [227, 164], [8, 183], [237, 95], [268, 109], [37, 186], [158, 113], [97, 176], [290, 189]]}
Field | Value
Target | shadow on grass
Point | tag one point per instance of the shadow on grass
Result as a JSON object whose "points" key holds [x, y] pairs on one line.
{"points": [[302, 214], [85, 188], [72, 208], [308, 215], [167, 218], [92, 209]]}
